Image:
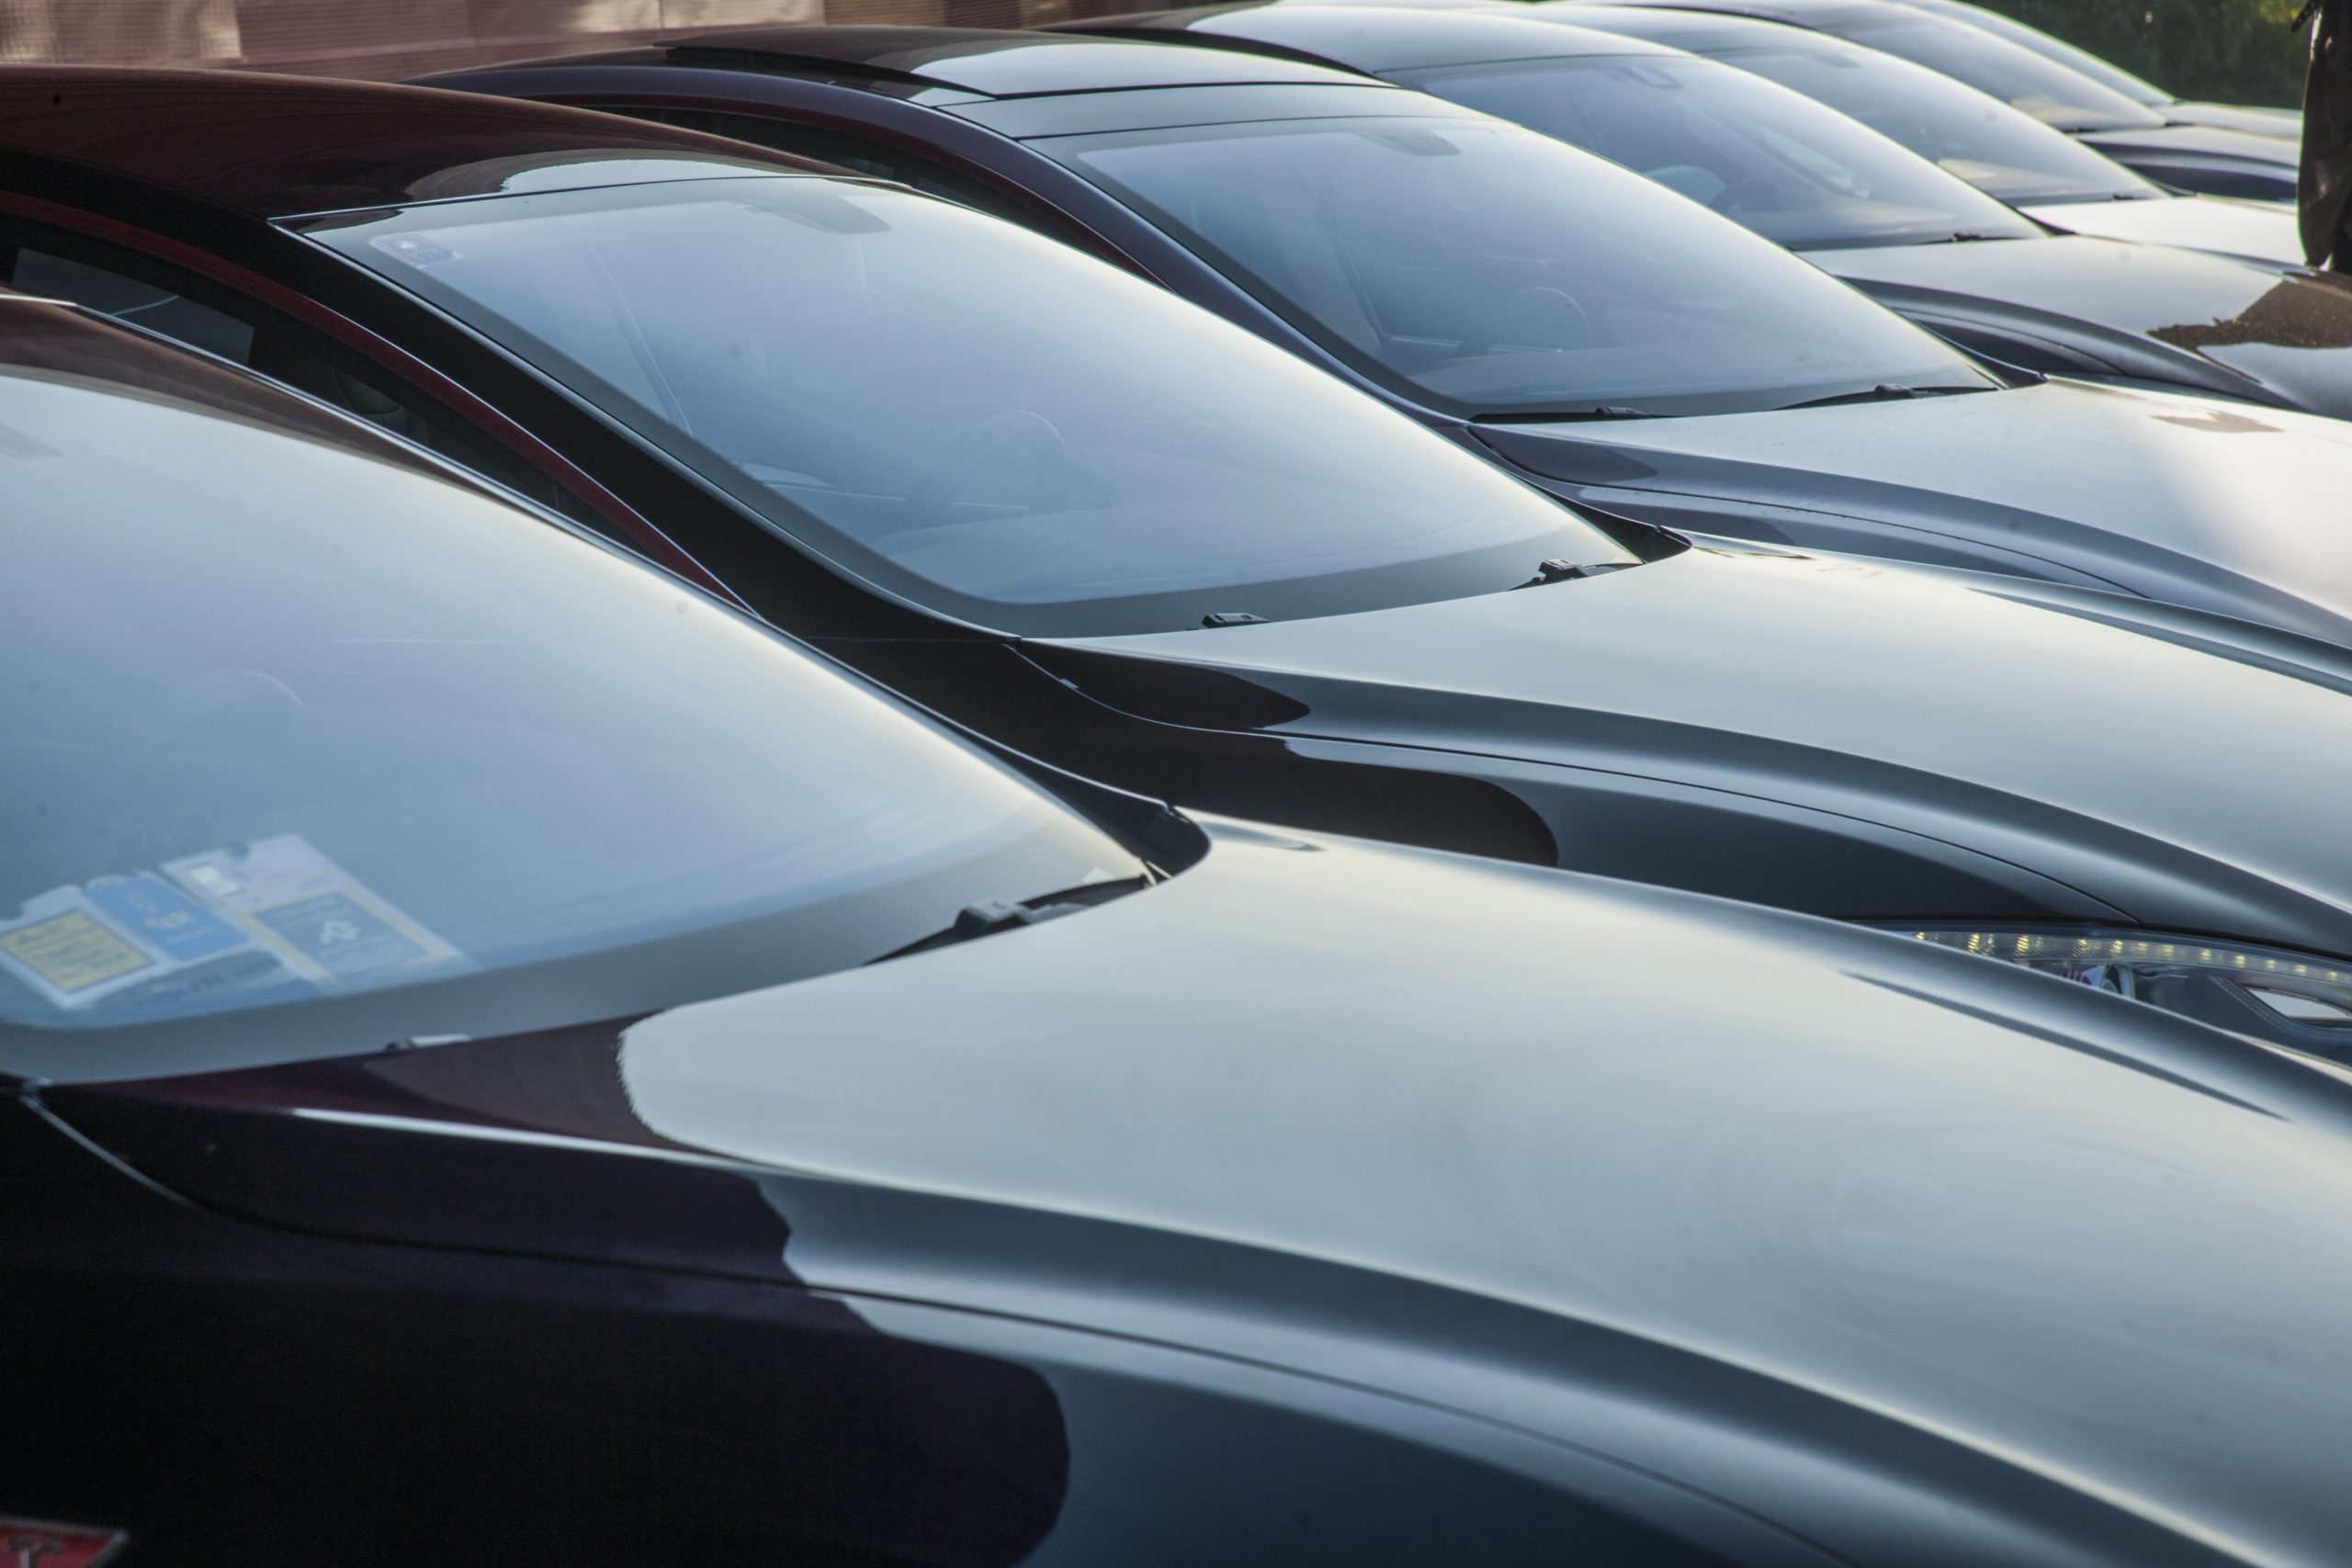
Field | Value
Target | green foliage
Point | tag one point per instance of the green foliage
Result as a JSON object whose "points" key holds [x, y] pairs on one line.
{"points": [[2235, 52]]}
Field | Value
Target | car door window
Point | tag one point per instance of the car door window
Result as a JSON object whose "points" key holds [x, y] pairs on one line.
{"points": [[171, 302]]}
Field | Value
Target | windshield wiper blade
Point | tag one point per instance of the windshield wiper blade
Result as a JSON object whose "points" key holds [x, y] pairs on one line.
{"points": [[1599, 410], [1559, 569], [1885, 393], [990, 915]]}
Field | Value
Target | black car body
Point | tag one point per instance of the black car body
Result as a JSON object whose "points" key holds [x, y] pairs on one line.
{"points": [[1913, 236], [1084, 518], [1006, 121], [2252, 118], [2206, 154], [646, 1184], [2052, 178]]}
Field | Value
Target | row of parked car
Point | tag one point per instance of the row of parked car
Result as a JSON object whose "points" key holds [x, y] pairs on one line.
{"points": [[1194, 790]]}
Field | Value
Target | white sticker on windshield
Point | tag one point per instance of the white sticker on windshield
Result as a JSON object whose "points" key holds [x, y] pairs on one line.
{"points": [[325, 923], [415, 249]]}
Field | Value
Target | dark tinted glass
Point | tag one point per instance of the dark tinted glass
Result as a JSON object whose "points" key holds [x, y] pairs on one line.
{"points": [[2011, 73], [297, 722], [997, 423], [1484, 268], [186, 307], [1799, 174], [1993, 147]]}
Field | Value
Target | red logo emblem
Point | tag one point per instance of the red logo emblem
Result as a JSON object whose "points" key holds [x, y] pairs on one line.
{"points": [[29, 1543]]}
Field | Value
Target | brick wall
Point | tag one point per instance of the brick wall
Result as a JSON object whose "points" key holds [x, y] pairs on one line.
{"points": [[392, 38]]}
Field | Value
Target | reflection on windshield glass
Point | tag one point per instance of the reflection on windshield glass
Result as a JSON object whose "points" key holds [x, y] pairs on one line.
{"points": [[1978, 138], [2016, 75], [2104, 71], [961, 407], [1495, 271], [1798, 174], [297, 725]]}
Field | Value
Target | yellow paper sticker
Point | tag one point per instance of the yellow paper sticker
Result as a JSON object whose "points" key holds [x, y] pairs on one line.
{"points": [[73, 952]]}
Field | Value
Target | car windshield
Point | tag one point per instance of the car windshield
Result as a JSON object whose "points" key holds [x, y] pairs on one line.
{"points": [[1797, 172], [2000, 149], [1487, 270], [979, 417], [2050, 47], [2010, 72], [310, 747]]}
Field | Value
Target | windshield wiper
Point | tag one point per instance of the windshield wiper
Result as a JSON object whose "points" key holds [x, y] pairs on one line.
{"points": [[1885, 393], [1600, 411], [1559, 569], [1962, 236], [990, 915]]}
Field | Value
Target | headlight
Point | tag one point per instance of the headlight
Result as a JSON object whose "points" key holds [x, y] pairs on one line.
{"points": [[2284, 997]]}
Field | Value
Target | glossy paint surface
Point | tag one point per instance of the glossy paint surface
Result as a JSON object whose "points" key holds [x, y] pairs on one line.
{"points": [[2227, 326], [996, 62], [2262, 229], [2211, 155], [1628, 785], [2217, 159], [2042, 87], [2180, 111], [1877, 1248], [2212, 491], [272, 145], [2254, 117], [2003, 151], [1755, 671], [2207, 322]]}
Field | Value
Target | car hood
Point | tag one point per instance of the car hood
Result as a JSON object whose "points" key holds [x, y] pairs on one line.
{"points": [[2195, 500], [2082, 734], [2252, 118], [2264, 230], [2254, 163], [1472, 1135], [2218, 324]]}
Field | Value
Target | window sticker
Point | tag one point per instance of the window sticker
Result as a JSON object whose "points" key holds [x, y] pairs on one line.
{"points": [[164, 917], [320, 921], [71, 956], [78, 946]]}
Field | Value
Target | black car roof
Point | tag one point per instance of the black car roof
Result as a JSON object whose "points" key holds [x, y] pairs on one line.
{"points": [[997, 63], [274, 146], [1367, 38]]}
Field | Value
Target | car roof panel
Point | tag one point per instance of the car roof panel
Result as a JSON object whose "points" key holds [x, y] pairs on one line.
{"points": [[997, 63], [1376, 38], [277, 146], [1085, 114]]}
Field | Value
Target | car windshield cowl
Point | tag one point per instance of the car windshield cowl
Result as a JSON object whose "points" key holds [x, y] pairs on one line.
{"points": [[956, 410], [1485, 271]]}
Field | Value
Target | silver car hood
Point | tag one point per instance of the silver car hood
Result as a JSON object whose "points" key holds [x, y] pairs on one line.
{"points": [[2044, 725], [2203, 502], [1565, 1129], [2212, 323], [2265, 230]]}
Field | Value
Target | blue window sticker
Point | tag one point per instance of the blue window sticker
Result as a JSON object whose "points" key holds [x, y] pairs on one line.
{"points": [[166, 918]]}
